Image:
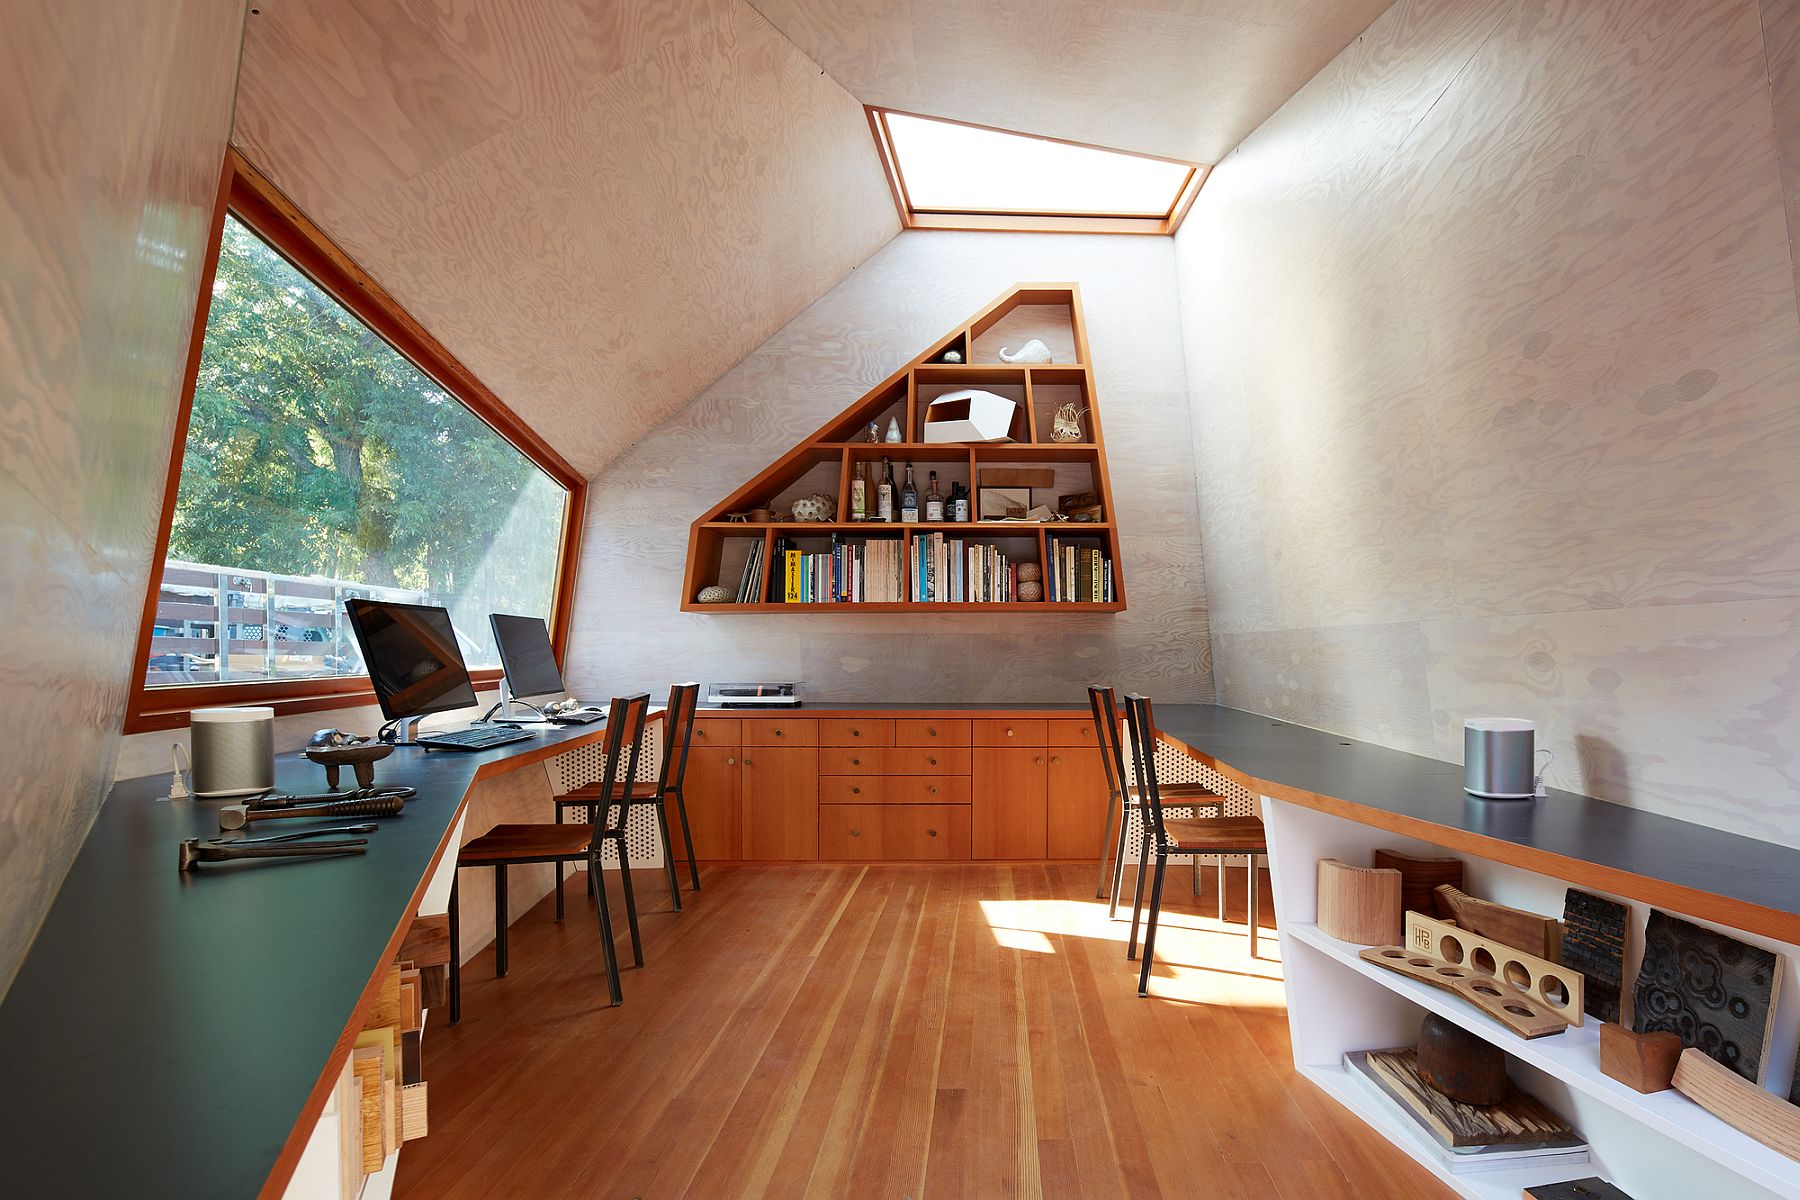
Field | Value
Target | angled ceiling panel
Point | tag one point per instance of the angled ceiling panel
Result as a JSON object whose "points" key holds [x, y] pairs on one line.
{"points": [[1187, 79], [599, 207]]}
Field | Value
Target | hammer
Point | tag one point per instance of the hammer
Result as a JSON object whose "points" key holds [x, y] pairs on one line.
{"points": [[236, 816], [195, 851]]}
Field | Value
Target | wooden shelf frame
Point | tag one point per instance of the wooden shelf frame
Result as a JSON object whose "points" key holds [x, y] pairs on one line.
{"points": [[843, 441]]}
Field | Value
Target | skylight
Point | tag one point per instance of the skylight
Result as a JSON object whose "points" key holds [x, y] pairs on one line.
{"points": [[991, 178]]}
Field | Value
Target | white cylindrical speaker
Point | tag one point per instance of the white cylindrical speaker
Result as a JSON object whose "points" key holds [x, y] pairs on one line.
{"points": [[1497, 757], [233, 751]]}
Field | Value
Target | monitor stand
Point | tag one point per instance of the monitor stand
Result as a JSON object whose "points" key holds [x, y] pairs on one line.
{"points": [[402, 731], [505, 712]]}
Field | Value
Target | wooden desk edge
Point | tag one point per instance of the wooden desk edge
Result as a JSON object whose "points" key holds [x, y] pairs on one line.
{"points": [[275, 1186], [1694, 902]]}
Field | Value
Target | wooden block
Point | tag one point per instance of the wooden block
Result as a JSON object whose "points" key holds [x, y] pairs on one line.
{"points": [[390, 1116], [1593, 942], [1644, 1062], [412, 1065], [1359, 904], [1557, 987], [1592, 1188], [411, 1009], [1461, 1065], [412, 1112], [367, 1063], [434, 986], [1501, 1001], [387, 1040], [1527, 931], [387, 1008], [1710, 989], [1738, 1102], [427, 941], [347, 1100], [1418, 875], [1025, 477]]}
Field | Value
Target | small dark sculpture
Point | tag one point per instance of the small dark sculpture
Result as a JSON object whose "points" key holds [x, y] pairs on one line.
{"points": [[334, 749], [1457, 1064]]}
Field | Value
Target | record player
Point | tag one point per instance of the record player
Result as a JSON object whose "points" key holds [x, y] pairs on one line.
{"points": [[754, 695]]}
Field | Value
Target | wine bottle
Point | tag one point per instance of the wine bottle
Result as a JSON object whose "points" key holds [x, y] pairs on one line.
{"points": [[934, 501], [909, 498], [859, 494], [884, 493]]}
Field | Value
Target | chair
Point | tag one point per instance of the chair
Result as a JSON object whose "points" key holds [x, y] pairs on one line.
{"points": [[1123, 795], [678, 732], [511, 845], [1216, 835]]}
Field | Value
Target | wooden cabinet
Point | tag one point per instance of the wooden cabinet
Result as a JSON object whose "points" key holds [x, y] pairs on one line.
{"points": [[1078, 800], [780, 731], [874, 832], [781, 802], [1071, 733], [714, 802], [717, 731], [1009, 810]]}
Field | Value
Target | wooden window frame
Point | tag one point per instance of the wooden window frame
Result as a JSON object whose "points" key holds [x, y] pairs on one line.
{"points": [[247, 194], [1163, 225]]}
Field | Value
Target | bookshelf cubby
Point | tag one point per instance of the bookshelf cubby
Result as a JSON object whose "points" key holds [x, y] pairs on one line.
{"points": [[722, 541]]}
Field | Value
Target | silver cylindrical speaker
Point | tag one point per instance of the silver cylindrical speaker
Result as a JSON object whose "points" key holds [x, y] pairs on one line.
{"points": [[233, 751], [1497, 757]]}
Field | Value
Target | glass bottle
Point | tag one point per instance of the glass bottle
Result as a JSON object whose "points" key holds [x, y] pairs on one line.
{"points": [[884, 492], [909, 498], [859, 494], [934, 501], [874, 431]]}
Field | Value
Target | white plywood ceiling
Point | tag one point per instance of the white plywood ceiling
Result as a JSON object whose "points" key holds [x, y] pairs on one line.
{"points": [[601, 205], [1186, 79]]}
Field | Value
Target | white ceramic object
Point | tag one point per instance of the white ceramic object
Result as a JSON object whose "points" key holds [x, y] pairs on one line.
{"points": [[816, 507], [713, 595], [1033, 351], [970, 415]]}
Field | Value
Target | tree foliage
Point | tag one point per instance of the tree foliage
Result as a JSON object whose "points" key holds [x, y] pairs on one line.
{"points": [[316, 448]]}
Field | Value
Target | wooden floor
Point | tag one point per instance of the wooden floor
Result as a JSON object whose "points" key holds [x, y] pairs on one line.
{"points": [[887, 1031]]}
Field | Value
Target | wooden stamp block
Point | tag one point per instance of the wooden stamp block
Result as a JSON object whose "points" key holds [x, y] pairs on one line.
{"points": [[1418, 876], [1460, 1064], [412, 1112], [1593, 1188], [1359, 904], [1527, 931], [1710, 990], [1504, 1003], [1593, 942], [1738, 1102], [427, 941], [1644, 1062]]}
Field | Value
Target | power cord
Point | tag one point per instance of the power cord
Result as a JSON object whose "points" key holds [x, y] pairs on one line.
{"points": [[178, 788]]}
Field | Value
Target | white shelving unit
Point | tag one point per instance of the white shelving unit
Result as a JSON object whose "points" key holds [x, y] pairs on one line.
{"points": [[1654, 1147]]}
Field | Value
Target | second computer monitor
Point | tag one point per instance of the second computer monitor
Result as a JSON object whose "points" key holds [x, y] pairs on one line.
{"points": [[526, 655]]}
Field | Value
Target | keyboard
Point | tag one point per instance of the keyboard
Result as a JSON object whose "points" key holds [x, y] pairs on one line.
{"points": [[476, 737], [581, 716]]}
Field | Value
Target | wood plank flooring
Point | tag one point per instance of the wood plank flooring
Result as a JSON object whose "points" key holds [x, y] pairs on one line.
{"points": [[888, 1031]]}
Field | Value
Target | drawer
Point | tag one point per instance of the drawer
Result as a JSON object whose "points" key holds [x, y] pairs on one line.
{"points": [[928, 732], [993, 732], [852, 760], [852, 789], [1071, 733], [926, 760], [925, 789], [846, 731], [874, 832], [717, 731], [781, 731]]}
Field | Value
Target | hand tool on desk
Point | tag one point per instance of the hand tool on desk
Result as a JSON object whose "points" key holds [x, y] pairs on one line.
{"points": [[329, 830], [194, 851], [281, 800], [236, 816]]}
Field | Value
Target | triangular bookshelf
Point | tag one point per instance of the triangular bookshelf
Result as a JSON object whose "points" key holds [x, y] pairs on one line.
{"points": [[1075, 557]]}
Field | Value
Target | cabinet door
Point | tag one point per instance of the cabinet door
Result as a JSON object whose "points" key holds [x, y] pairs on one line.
{"points": [[714, 804], [1078, 801], [781, 802], [1011, 791], [850, 831]]}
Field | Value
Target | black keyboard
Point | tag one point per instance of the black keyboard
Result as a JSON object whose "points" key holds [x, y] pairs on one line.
{"points": [[476, 737]]}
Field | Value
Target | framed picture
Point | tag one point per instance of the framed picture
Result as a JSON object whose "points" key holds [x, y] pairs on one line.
{"points": [[1002, 503]]}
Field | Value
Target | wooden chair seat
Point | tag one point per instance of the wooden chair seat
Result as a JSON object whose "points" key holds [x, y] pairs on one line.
{"points": [[640, 790], [519, 843], [1180, 791], [1216, 833]]}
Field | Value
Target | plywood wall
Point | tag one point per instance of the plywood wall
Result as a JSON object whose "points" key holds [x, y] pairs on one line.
{"points": [[630, 634], [114, 123], [1495, 324]]}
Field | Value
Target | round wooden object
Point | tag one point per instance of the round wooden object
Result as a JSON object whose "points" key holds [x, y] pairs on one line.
{"points": [[361, 758], [1460, 1065]]}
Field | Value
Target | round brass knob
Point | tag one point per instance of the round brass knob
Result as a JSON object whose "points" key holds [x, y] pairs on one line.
{"points": [[1054, 760], [856, 791], [1039, 760], [856, 733], [856, 833], [1009, 733], [932, 732], [748, 763], [932, 761], [699, 733], [932, 789], [931, 832], [731, 762], [778, 733], [856, 762]]}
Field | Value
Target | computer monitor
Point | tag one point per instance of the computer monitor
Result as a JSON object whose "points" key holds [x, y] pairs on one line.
{"points": [[526, 655], [412, 657]]}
